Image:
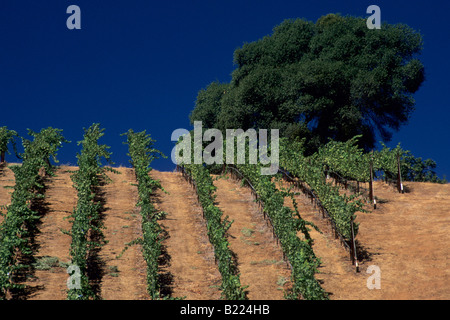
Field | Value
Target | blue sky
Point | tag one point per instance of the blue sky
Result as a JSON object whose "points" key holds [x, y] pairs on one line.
{"points": [[140, 64]]}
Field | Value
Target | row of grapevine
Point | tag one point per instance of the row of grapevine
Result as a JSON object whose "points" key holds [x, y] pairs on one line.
{"points": [[7, 136], [352, 163], [86, 223], [16, 229], [142, 153], [286, 224], [217, 227], [341, 208]]}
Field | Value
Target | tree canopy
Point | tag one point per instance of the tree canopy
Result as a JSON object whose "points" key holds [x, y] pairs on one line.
{"points": [[334, 78]]}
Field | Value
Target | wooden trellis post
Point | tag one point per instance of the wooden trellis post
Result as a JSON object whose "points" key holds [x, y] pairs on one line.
{"points": [[371, 197], [353, 247], [399, 175]]}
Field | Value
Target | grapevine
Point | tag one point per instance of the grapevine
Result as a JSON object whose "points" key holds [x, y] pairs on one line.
{"points": [[217, 230], [16, 229], [86, 223], [142, 153], [287, 224]]}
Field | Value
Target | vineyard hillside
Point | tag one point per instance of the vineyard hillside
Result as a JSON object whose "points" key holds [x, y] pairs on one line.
{"points": [[407, 237]]}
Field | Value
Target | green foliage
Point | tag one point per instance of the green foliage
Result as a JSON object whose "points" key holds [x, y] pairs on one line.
{"points": [[85, 218], [15, 231], [331, 79], [43, 148], [345, 158], [217, 229], [416, 169], [412, 168], [142, 153], [208, 104], [352, 163], [286, 224], [310, 170], [7, 136]]}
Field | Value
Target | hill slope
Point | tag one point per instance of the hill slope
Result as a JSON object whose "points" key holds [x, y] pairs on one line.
{"points": [[407, 237]]}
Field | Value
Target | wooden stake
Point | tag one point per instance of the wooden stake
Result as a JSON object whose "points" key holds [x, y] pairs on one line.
{"points": [[353, 246], [399, 175], [371, 183]]}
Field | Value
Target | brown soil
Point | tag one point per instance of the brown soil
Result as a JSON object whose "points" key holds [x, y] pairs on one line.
{"points": [[406, 237], [117, 278], [260, 260], [336, 268], [51, 242], [6, 183], [123, 275], [191, 271]]}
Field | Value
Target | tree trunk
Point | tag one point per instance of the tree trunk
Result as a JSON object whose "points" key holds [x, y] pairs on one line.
{"points": [[2, 157]]}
